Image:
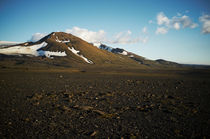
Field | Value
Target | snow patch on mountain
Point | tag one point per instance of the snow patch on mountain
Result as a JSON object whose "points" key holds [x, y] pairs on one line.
{"points": [[32, 50], [124, 53], [76, 52], [57, 40], [50, 54], [22, 50]]}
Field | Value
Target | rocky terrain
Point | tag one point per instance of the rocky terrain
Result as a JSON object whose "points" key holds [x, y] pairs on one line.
{"points": [[104, 103]]}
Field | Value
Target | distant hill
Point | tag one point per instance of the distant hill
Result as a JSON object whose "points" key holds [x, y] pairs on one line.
{"points": [[6, 43], [141, 60]]}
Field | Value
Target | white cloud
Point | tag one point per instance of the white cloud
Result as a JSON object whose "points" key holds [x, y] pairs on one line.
{"points": [[125, 38], [144, 30], [205, 19], [162, 19], [185, 21], [37, 36], [87, 35], [176, 22], [161, 30], [100, 36], [177, 26]]}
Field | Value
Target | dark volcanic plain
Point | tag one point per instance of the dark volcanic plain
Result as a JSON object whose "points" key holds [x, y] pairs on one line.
{"points": [[104, 103]]}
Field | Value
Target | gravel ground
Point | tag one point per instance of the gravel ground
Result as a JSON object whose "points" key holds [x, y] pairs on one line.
{"points": [[40, 104]]}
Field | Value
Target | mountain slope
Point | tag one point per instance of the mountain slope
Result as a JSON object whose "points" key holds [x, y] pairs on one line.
{"points": [[64, 49], [141, 60]]}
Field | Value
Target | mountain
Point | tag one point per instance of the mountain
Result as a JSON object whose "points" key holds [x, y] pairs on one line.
{"points": [[59, 48], [141, 60], [63, 49], [164, 62]]}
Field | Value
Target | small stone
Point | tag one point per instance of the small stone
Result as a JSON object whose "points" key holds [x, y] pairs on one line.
{"points": [[99, 112], [65, 108], [86, 108], [152, 105], [194, 111], [93, 134]]}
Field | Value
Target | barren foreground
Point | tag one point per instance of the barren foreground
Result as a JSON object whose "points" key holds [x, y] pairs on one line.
{"points": [[81, 104]]}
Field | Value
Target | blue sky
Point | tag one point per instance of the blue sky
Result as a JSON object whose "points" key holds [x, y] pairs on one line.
{"points": [[172, 30]]}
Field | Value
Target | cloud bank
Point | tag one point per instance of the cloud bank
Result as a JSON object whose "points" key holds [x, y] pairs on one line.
{"points": [[123, 37], [205, 20], [87, 35], [176, 22]]}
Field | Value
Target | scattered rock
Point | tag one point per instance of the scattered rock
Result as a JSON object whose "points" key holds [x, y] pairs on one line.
{"points": [[99, 112], [86, 108], [93, 134], [27, 119]]}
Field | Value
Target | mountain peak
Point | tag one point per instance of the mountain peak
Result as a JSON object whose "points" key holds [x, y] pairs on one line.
{"points": [[67, 49], [60, 37]]}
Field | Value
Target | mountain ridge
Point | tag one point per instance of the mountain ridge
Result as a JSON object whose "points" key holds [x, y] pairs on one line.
{"points": [[64, 48]]}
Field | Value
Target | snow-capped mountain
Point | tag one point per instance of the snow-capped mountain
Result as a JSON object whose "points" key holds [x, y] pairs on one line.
{"points": [[59, 48]]}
